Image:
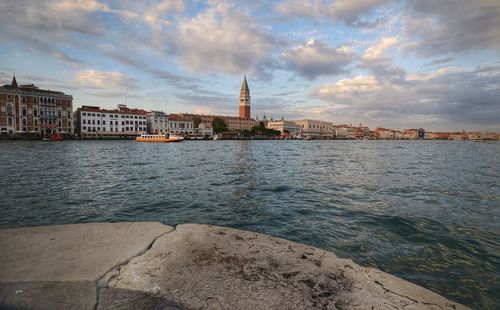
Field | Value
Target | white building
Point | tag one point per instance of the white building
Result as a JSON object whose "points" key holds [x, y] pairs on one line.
{"points": [[345, 133], [123, 121], [291, 127], [180, 124], [157, 122], [314, 129]]}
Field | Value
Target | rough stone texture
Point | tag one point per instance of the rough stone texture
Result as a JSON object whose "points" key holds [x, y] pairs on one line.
{"points": [[208, 267], [152, 266], [80, 252], [48, 295], [127, 299]]}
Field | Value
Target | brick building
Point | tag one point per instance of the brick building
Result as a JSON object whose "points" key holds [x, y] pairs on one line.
{"points": [[27, 109]]}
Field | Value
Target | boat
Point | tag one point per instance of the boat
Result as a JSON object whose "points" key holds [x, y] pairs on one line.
{"points": [[158, 138], [57, 136]]}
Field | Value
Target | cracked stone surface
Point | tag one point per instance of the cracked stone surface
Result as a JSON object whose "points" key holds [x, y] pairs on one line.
{"points": [[209, 267], [153, 266], [79, 252]]}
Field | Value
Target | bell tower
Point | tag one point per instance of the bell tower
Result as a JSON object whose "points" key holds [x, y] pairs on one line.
{"points": [[245, 100]]}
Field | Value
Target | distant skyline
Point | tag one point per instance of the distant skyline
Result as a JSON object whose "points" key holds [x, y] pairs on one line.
{"points": [[396, 64]]}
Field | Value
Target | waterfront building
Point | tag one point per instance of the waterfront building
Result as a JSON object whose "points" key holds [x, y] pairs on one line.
{"points": [[315, 129], [285, 126], [245, 100], [383, 133], [345, 132], [362, 132], [204, 131], [414, 134], [28, 109], [157, 122], [180, 124], [92, 121]]}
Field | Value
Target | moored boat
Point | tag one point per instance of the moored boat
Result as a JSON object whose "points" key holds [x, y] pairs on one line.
{"points": [[158, 138]]}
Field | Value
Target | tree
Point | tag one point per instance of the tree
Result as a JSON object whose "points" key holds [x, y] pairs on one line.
{"points": [[218, 125], [196, 121]]}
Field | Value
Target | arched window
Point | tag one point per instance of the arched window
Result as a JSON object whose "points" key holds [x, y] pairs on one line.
{"points": [[24, 121], [9, 109], [35, 111], [59, 113], [25, 111]]}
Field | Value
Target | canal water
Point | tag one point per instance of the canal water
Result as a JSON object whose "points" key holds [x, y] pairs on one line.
{"points": [[426, 211]]}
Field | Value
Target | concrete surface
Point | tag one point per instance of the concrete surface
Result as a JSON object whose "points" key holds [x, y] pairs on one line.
{"points": [[80, 252], [152, 266]]}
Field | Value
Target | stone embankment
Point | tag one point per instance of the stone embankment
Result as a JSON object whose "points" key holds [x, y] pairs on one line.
{"points": [[154, 266]]}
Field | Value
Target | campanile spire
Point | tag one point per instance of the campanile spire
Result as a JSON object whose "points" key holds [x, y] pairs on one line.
{"points": [[245, 99]]}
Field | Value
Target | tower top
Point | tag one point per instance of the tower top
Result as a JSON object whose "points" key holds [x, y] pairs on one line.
{"points": [[244, 85], [14, 82]]}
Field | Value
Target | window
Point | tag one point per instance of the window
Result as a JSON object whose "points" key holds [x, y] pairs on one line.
{"points": [[98, 114], [93, 114], [98, 122], [59, 113], [35, 112], [9, 109], [98, 128], [84, 114], [36, 122], [83, 121], [25, 111], [104, 122], [24, 121], [23, 99], [84, 128], [93, 122], [9, 122]]}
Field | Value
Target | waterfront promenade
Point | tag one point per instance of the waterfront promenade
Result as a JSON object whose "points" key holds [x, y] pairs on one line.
{"points": [[146, 265]]}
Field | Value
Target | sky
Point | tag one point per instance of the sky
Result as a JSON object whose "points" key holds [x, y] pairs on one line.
{"points": [[394, 64]]}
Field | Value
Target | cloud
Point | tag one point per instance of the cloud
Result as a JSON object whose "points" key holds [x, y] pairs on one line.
{"points": [[222, 39], [451, 98], [314, 58], [351, 11], [83, 5], [379, 61], [346, 11], [451, 26], [100, 79]]}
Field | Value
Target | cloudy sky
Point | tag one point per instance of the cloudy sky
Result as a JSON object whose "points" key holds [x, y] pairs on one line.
{"points": [[398, 64]]}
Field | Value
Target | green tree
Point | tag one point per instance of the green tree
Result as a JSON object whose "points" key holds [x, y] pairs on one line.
{"points": [[196, 121], [218, 125]]}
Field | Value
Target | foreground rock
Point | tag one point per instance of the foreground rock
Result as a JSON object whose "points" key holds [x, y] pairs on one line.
{"points": [[149, 265]]}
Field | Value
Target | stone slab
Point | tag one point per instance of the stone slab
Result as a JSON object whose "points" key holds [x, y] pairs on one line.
{"points": [[47, 295], [209, 267], [132, 300], [78, 252]]}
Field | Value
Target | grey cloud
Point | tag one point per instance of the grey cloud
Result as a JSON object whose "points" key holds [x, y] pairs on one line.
{"points": [[451, 26], [315, 58], [443, 99]]}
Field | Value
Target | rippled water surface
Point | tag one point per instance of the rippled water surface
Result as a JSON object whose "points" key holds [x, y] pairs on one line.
{"points": [[426, 211]]}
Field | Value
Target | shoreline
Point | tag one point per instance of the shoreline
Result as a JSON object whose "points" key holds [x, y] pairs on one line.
{"points": [[145, 264]]}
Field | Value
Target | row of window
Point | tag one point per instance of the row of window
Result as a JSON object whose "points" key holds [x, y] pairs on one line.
{"points": [[98, 122], [124, 129], [42, 100], [43, 111], [112, 115]]}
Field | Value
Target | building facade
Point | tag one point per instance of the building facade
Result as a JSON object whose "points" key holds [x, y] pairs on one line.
{"points": [[314, 129], [285, 126], [345, 132], [157, 122], [92, 121], [181, 124], [28, 109]]}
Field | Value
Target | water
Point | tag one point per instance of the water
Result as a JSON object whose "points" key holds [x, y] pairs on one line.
{"points": [[426, 211]]}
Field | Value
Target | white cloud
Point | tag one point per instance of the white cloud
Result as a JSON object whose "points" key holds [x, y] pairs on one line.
{"points": [[222, 39], [359, 85], [378, 50], [314, 58], [101, 79], [78, 5]]}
